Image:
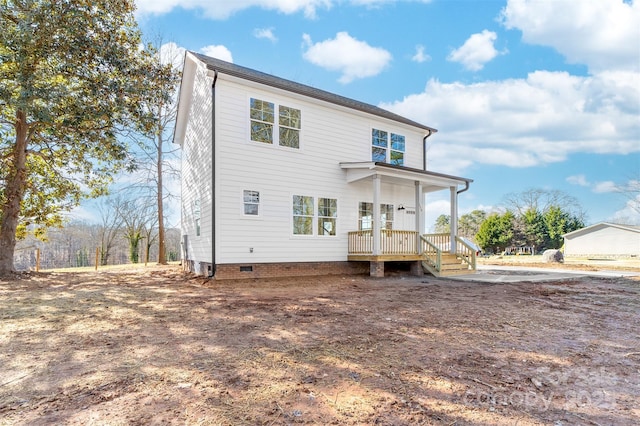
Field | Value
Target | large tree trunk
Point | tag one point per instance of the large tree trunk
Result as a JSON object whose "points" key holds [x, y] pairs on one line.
{"points": [[14, 192], [162, 258]]}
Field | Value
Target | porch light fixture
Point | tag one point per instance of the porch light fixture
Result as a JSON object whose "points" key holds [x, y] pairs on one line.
{"points": [[401, 207]]}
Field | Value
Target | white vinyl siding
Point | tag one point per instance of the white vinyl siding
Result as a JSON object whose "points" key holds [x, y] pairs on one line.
{"points": [[331, 135], [196, 178]]}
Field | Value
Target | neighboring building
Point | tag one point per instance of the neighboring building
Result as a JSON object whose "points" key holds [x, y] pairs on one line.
{"points": [[279, 178], [603, 239]]}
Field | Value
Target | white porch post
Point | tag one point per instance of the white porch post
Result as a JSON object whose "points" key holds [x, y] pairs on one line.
{"points": [[420, 226], [454, 217], [375, 226]]}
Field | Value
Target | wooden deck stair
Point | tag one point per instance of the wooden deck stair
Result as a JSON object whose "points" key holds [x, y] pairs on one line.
{"points": [[440, 262], [451, 265]]}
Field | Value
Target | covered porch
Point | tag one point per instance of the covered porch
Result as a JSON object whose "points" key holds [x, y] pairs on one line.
{"points": [[439, 254]]}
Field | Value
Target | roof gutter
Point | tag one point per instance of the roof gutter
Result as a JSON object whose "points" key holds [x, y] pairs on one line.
{"points": [[466, 187], [212, 271], [424, 149]]}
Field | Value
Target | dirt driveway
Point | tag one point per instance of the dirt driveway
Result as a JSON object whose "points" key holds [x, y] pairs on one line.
{"points": [[154, 346]]}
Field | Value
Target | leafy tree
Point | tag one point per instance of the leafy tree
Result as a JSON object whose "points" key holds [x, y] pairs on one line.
{"points": [[71, 75], [496, 232], [469, 223], [443, 224], [559, 222], [535, 231]]}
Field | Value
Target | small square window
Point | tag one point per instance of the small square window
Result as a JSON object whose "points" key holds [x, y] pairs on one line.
{"points": [[251, 202]]}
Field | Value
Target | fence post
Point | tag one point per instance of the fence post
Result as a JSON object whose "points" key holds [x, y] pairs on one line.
{"points": [[97, 257], [37, 260]]}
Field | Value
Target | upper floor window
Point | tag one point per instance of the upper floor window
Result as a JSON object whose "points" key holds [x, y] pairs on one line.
{"points": [[387, 147], [251, 201], [289, 127], [261, 121], [264, 129]]}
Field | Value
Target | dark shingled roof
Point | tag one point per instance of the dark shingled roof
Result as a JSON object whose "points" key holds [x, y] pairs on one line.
{"points": [[291, 86]]}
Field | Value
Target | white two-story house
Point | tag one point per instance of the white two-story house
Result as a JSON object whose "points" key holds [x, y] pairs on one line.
{"points": [[283, 179]]}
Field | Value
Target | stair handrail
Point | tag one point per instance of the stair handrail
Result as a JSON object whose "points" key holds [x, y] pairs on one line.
{"points": [[467, 254], [430, 248]]}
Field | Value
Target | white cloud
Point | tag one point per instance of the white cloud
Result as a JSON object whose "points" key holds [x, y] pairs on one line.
{"points": [[580, 180], [606, 186], [602, 34], [476, 51], [353, 58], [171, 53], [224, 9], [220, 9], [217, 51], [265, 33], [527, 122], [420, 56]]}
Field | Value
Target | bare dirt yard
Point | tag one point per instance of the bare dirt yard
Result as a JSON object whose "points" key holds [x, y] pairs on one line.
{"points": [[156, 346]]}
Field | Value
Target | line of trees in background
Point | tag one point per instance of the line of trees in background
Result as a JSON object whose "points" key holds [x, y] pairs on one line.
{"points": [[535, 218], [128, 233]]}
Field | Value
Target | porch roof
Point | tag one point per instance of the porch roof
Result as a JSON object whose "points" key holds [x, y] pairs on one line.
{"points": [[431, 181]]}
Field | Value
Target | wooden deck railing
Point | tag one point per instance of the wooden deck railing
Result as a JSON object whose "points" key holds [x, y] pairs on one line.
{"points": [[392, 241], [432, 246]]}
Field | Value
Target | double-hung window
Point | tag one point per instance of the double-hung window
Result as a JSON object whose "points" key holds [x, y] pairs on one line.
{"points": [[302, 215], [264, 128], [289, 130], [327, 214], [251, 202], [365, 216], [306, 218], [387, 147]]}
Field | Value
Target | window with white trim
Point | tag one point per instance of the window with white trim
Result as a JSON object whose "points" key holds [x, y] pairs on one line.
{"points": [[387, 147], [302, 215], [365, 216], [251, 202], [306, 218], [263, 128], [327, 216]]}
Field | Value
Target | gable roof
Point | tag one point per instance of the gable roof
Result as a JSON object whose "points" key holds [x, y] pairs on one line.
{"points": [[229, 68], [601, 225]]}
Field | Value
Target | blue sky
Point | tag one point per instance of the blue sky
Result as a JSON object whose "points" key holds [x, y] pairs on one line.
{"points": [[525, 94]]}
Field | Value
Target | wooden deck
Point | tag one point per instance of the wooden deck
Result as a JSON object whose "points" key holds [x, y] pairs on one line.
{"points": [[433, 250]]}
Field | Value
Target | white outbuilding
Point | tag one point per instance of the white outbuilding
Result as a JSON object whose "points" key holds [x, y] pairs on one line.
{"points": [[603, 239]]}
